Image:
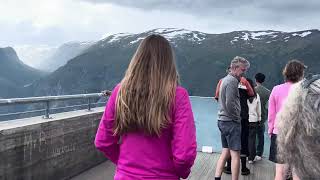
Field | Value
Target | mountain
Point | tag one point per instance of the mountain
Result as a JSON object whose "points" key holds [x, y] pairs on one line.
{"points": [[62, 54], [201, 59], [34, 55], [14, 74], [49, 58]]}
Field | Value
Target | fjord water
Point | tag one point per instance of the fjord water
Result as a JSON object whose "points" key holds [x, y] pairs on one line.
{"points": [[205, 110]]}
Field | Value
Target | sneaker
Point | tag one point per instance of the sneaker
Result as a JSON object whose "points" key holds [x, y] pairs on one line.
{"points": [[250, 162], [245, 171], [258, 158], [227, 170]]}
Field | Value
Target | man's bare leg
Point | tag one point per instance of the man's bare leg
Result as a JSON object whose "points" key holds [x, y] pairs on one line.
{"points": [[235, 164], [280, 171], [225, 154]]}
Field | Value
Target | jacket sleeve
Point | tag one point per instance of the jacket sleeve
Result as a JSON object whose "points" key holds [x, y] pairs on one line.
{"points": [[218, 90], [183, 143], [271, 112], [105, 141], [246, 83]]}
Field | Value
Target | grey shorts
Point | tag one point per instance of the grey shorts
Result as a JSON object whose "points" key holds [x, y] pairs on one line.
{"points": [[230, 135]]}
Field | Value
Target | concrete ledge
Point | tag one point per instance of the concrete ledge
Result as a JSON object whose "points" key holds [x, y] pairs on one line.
{"points": [[49, 149]]}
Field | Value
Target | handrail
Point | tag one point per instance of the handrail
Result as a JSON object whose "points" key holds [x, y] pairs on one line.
{"points": [[202, 97], [48, 99], [28, 100]]}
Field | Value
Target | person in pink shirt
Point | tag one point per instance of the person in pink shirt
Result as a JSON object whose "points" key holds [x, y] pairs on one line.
{"points": [[147, 129], [293, 73], [299, 121]]}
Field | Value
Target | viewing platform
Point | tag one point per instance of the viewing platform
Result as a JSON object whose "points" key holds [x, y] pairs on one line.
{"points": [[204, 168], [60, 145]]}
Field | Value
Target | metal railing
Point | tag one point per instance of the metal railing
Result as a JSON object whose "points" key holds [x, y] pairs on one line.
{"points": [[46, 100]]}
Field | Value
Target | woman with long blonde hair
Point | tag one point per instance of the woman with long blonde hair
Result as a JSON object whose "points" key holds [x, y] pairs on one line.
{"points": [[148, 128]]}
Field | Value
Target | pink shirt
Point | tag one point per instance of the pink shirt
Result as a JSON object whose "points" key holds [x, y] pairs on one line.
{"points": [[278, 95], [140, 156]]}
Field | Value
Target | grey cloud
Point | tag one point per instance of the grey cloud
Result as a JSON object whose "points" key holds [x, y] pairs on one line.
{"points": [[26, 33], [180, 5], [294, 6], [213, 16], [201, 6], [275, 13]]}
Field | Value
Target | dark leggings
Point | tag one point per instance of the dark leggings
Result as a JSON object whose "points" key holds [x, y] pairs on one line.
{"points": [[244, 137], [252, 140]]}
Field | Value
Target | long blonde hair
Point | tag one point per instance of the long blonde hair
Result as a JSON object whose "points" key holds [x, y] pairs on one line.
{"points": [[147, 89]]}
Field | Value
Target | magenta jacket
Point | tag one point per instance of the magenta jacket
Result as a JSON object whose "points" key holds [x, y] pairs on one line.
{"points": [[139, 156], [278, 95]]}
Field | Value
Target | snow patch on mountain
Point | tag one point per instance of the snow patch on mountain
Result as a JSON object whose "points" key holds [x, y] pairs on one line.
{"points": [[303, 34]]}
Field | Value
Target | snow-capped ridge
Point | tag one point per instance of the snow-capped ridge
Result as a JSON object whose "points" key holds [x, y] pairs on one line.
{"points": [[303, 34]]}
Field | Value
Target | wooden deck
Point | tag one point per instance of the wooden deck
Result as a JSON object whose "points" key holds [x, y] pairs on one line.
{"points": [[204, 168]]}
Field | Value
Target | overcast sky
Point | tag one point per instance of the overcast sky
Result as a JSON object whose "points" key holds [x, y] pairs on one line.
{"points": [[53, 22]]}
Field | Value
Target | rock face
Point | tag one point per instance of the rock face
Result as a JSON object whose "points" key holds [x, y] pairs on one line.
{"points": [[14, 74]]}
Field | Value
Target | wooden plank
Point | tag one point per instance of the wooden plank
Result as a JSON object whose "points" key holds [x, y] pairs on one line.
{"points": [[203, 169]]}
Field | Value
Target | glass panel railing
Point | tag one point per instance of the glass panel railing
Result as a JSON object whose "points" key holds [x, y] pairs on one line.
{"points": [[205, 111]]}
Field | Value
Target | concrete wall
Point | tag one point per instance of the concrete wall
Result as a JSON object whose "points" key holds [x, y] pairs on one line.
{"points": [[53, 149]]}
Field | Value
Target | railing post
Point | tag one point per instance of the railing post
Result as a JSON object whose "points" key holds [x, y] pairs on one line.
{"points": [[47, 111], [89, 104]]}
